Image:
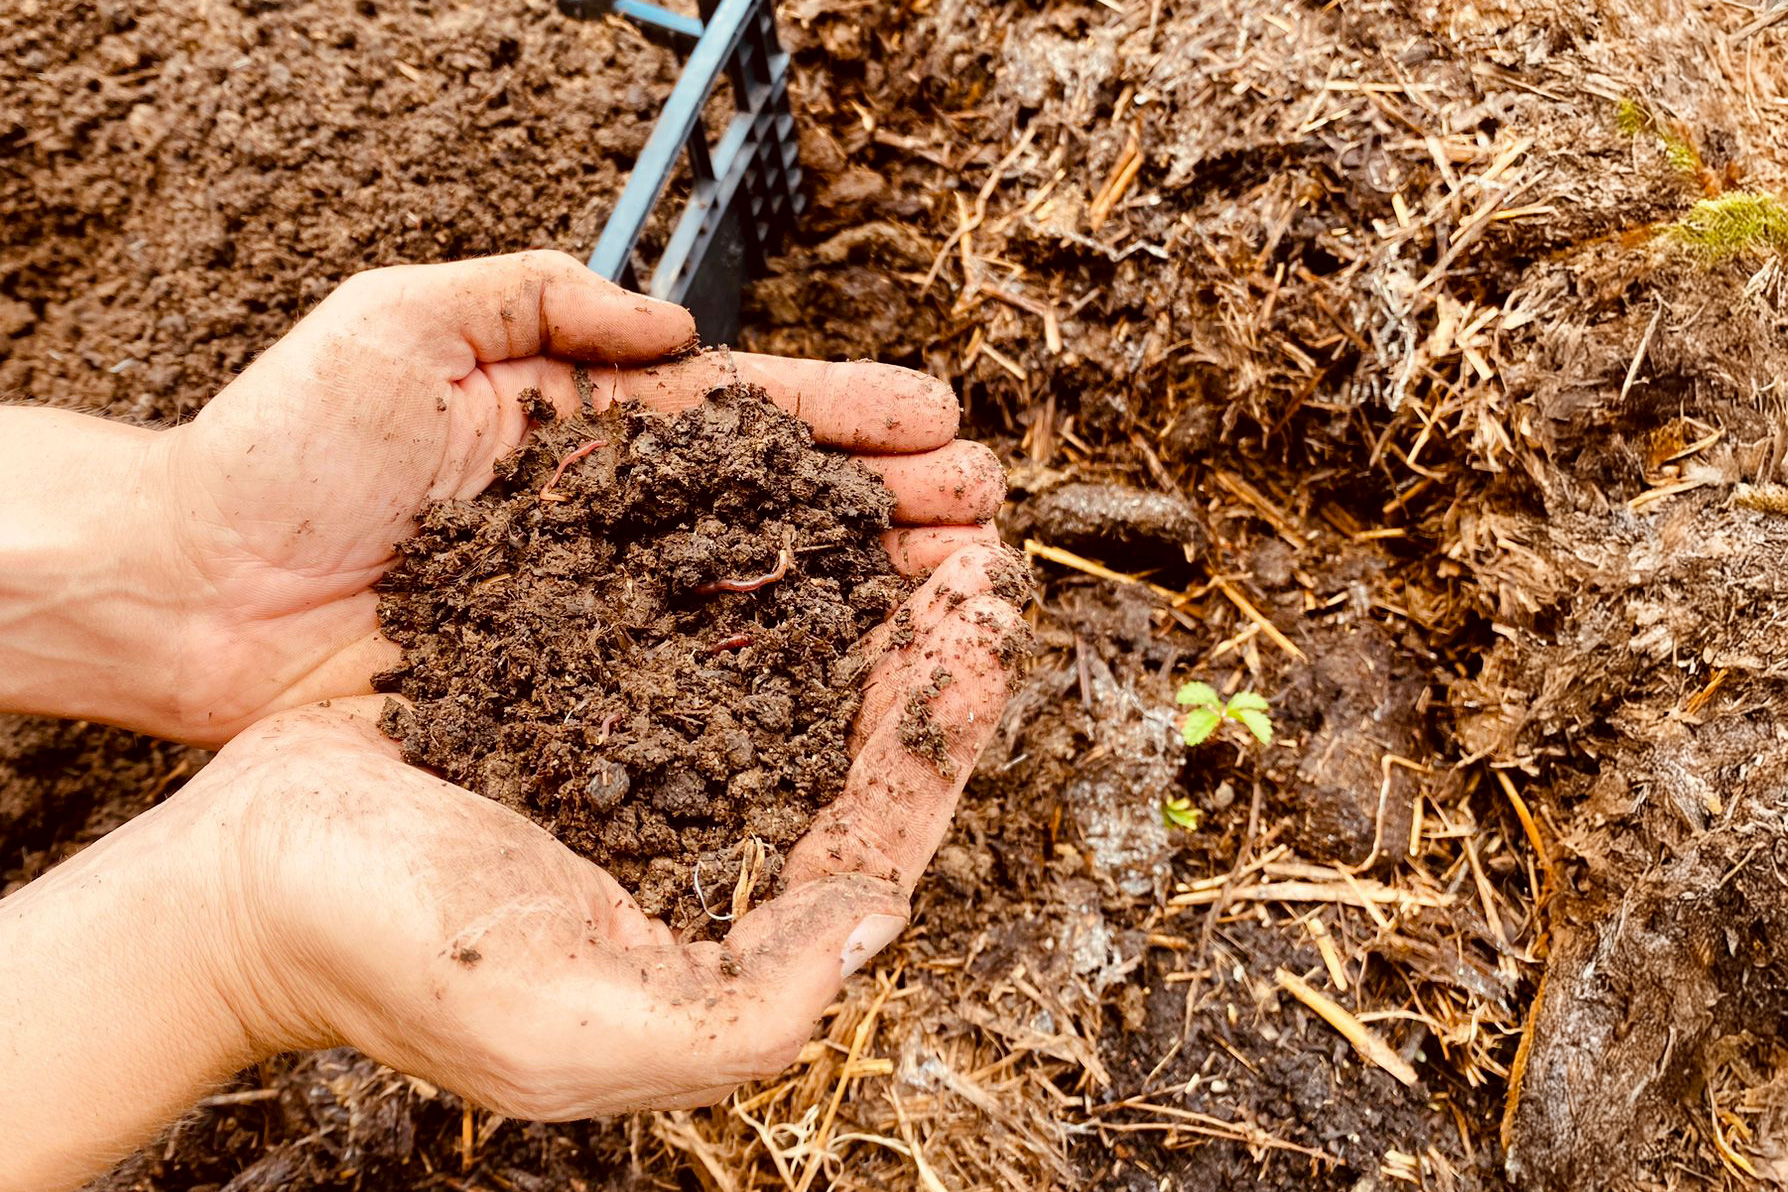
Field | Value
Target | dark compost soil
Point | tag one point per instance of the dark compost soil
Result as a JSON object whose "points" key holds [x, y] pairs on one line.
{"points": [[575, 646], [180, 180], [1348, 320]]}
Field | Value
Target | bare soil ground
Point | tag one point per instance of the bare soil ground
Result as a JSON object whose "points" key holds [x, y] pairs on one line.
{"points": [[1347, 355]]}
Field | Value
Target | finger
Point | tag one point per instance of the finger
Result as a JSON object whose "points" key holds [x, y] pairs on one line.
{"points": [[720, 1015], [699, 1099], [905, 781], [346, 723], [915, 551], [801, 945], [889, 648], [862, 405], [518, 305], [956, 484]]}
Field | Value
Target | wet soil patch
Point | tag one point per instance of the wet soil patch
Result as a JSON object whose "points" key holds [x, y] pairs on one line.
{"points": [[642, 637]]}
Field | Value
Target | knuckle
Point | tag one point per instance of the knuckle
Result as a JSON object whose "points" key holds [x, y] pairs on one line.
{"points": [[374, 283], [547, 258]]}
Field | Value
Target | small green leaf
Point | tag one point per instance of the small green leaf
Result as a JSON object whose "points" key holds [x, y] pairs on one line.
{"points": [[1249, 701], [1199, 724], [1258, 723], [1179, 813], [1198, 695]]}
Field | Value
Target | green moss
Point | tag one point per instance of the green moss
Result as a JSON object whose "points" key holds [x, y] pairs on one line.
{"points": [[1633, 119], [1681, 154], [1738, 223]]}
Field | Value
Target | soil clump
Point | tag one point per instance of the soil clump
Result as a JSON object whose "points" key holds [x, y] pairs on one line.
{"points": [[642, 636]]}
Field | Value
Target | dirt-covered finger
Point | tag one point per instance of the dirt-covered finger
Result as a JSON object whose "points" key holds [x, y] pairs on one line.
{"points": [[863, 405], [888, 650], [518, 305], [905, 781], [979, 567], [960, 483], [916, 550]]}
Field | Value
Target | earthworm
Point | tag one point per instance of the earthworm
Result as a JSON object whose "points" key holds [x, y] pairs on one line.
{"points": [[547, 493], [784, 559], [737, 641], [608, 722]]}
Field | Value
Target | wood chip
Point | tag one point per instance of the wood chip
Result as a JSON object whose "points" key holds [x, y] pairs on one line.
{"points": [[1331, 956]]}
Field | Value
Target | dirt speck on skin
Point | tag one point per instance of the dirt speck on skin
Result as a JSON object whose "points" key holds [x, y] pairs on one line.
{"points": [[919, 730], [583, 656]]}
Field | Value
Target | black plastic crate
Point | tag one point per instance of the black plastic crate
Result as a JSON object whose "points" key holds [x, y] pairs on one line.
{"points": [[745, 188]]}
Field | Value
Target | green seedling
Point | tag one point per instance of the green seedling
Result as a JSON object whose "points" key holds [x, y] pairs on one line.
{"points": [[1179, 813], [1735, 224], [1205, 710]]}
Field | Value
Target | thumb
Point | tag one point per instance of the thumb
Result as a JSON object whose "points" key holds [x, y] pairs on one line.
{"points": [[816, 936], [535, 303], [776, 972]]}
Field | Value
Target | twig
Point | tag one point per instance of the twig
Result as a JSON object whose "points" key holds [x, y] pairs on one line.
{"points": [[1272, 514], [1364, 1041], [1773, 17], [1068, 558], [980, 213], [858, 1039], [1247, 609], [927, 1177], [1639, 356], [1529, 826], [245, 1097]]}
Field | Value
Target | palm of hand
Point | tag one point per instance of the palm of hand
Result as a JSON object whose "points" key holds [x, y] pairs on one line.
{"points": [[294, 486]]}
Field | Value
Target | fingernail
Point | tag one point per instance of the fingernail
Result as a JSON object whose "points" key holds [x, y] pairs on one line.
{"points": [[871, 936]]}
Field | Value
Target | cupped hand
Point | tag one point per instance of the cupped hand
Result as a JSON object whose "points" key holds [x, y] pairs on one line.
{"points": [[292, 487], [447, 936]]}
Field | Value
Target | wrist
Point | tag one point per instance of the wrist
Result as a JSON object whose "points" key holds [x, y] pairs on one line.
{"points": [[121, 987], [91, 605]]}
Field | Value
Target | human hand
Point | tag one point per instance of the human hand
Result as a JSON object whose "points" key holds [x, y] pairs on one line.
{"points": [[308, 888], [292, 486], [451, 938]]}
